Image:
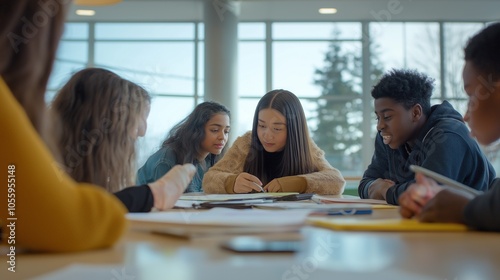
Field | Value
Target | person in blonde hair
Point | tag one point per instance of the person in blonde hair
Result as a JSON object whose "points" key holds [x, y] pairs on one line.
{"points": [[54, 213], [101, 115]]}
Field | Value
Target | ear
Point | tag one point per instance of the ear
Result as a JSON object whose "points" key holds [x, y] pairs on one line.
{"points": [[416, 112]]}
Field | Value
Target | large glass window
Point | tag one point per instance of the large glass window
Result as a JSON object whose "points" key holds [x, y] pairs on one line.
{"points": [[455, 38], [163, 67], [72, 55], [321, 62], [408, 45]]}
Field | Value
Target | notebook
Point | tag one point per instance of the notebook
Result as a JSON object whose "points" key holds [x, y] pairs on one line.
{"points": [[325, 199], [384, 225]]}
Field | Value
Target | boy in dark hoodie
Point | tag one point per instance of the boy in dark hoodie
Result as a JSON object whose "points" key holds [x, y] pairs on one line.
{"points": [[413, 132], [481, 75]]}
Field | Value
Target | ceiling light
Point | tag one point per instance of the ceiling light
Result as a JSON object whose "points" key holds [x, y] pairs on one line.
{"points": [[96, 2], [85, 13], [327, 11]]}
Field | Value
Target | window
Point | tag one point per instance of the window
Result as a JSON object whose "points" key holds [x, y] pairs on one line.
{"points": [[167, 59]]}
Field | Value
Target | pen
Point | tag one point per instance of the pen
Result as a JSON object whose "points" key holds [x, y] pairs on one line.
{"points": [[344, 212], [444, 180], [261, 189]]}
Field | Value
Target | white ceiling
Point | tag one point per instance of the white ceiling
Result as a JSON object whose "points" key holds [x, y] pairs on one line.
{"points": [[302, 10]]}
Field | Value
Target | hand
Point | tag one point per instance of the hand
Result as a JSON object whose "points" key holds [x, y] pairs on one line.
{"points": [[446, 207], [379, 187], [246, 183], [417, 195], [273, 186], [171, 186]]}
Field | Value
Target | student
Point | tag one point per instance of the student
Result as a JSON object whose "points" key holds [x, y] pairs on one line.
{"points": [[410, 131], [199, 139], [481, 76], [276, 156], [55, 213], [101, 115]]}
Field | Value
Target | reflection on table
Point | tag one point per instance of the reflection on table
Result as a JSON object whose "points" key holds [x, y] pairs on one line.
{"points": [[324, 254]]}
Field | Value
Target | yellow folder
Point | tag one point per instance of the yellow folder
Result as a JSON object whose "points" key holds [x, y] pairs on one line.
{"points": [[385, 225]]}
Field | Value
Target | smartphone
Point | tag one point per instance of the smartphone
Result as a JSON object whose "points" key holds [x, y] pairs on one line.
{"points": [[251, 244]]}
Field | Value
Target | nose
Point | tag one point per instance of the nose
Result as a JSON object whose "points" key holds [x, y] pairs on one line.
{"points": [[267, 134], [380, 125], [221, 135]]}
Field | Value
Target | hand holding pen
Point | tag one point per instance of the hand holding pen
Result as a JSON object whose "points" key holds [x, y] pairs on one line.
{"points": [[246, 183]]}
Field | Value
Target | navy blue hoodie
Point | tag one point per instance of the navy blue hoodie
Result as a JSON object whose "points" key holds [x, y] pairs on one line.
{"points": [[443, 145]]}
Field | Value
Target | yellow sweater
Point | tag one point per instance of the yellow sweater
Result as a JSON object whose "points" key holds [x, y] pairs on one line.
{"points": [[48, 210]]}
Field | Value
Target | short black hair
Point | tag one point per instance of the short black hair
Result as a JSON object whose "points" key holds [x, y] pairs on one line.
{"points": [[483, 50], [407, 87]]}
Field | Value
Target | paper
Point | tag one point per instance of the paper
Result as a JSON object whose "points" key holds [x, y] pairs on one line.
{"points": [[313, 206], [444, 180], [221, 197], [185, 203], [385, 225], [224, 217], [324, 199]]}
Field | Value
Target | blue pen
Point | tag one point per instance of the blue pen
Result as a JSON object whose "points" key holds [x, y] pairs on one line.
{"points": [[347, 212]]}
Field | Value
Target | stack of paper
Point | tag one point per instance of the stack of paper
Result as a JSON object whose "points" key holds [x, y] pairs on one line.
{"points": [[193, 200], [222, 197], [325, 199], [220, 220]]}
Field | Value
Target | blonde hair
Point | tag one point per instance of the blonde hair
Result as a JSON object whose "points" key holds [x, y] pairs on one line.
{"points": [[99, 113]]}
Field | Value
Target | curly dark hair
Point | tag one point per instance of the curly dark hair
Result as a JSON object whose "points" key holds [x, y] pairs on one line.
{"points": [[185, 138], [483, 50], [407, 87]]}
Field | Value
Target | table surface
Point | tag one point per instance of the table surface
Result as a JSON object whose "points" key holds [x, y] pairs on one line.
{"points": [[325, 253]]}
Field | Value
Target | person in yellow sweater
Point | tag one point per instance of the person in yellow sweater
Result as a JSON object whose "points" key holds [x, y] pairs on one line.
{"points": [[42, 208], [278, 155]]}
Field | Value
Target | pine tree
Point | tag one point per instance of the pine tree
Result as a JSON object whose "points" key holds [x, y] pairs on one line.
{"points": [[339, 113]]}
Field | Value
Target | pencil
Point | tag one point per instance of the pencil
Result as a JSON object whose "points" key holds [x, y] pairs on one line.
{"points": [[261, 189], [444, 180]]}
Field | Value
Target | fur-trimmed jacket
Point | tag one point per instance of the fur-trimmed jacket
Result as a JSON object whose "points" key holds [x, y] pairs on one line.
{"points": [[221, 177]]}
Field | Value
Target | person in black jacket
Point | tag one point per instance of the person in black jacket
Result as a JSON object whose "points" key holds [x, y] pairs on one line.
{"points": [[410, 131], [481, 76]]}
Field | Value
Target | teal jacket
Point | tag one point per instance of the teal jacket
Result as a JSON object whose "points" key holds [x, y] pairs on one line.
{"points": [[162, 161]]}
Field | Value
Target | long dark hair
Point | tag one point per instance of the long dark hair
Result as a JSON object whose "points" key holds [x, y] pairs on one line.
{"points": [[185, 138], [297, 158]]}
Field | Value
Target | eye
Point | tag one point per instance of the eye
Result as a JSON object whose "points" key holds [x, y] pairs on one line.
{"points": [[387, 118], [214, 130], [262, 126], [226, 131], [278, 129]]}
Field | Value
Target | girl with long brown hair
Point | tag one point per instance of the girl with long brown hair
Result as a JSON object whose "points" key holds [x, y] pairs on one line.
{"points": [[278, 155]]}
